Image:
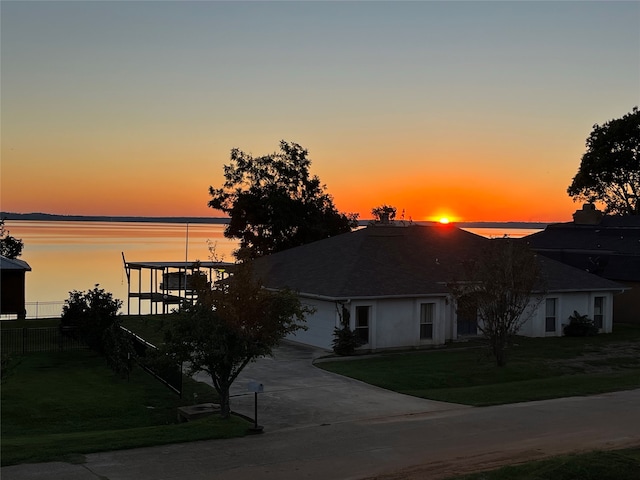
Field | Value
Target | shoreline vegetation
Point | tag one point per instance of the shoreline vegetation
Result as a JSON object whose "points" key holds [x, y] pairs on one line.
{"points": [[49, 217]]}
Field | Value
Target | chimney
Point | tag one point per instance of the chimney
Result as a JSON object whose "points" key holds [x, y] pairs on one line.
{"points": [[589, 215]]}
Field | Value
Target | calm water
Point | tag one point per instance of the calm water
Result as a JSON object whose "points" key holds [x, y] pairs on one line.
{"points": [[67, 256]]}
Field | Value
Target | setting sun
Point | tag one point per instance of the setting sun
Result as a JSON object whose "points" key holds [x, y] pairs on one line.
{"points": [[444, 220]]}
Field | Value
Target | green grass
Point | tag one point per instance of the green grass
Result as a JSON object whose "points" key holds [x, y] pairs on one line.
{"points": [[56, 406], [538, 368], [599, 465], [149, 327]]}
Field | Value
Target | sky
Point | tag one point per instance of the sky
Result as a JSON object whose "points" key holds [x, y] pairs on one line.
{"points": [[476, 111]]}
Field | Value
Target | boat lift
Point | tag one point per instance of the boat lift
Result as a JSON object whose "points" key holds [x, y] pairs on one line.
{"points": [[170, 283]]}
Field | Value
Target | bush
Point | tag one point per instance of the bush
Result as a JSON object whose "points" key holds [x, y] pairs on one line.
{"points": [[345, 340], [580, 326], [93, 316]]}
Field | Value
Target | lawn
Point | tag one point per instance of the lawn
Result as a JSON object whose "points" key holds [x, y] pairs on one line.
{"points": [[612, 465], [537, 369], [57, 406], [149, 327]]}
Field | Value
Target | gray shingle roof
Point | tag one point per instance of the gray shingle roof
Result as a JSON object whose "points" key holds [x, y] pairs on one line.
{"points": [[610, 249], [13, 264], [386, 261]]}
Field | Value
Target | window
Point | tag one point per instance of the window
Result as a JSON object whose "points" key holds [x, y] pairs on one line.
{"points": [[598, 312], [362, 324], [550, 315], [427, 311]]}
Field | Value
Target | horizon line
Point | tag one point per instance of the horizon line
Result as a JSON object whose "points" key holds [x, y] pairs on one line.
{"points": [[41, 216]]}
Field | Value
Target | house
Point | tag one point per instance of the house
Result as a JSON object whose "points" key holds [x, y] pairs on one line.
{"points": [[12, 286], [607, 246], [391, 282]]}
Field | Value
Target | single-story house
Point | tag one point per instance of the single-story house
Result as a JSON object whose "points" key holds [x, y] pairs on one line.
{"points": [[12, 286], [392, 283], [605, 245]]}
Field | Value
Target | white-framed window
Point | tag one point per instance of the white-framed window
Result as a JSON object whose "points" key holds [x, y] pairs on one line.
{"points": [[551, 315], [427, 313], [598, 312], [363, 314]]}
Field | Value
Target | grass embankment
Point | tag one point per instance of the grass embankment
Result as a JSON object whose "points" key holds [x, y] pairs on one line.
{"points": [[613, 465], [58, 406], [537, 369]]}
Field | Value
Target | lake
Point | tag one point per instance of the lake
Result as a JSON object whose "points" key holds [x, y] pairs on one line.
{"points": [[76, 255]]}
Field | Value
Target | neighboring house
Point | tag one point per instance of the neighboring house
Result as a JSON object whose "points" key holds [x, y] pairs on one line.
{"points": [[391, 281], [12, 286], [607, 246]]}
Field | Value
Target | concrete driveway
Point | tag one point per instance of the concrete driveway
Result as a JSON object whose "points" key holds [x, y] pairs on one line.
{"points": [[298, 394]]}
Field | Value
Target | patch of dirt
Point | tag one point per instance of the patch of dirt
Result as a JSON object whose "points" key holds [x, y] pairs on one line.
{"points": [[603, 359], [447, 469]]}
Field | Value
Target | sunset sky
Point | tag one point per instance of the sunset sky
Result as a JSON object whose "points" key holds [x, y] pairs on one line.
{"points": [[472, 110]]}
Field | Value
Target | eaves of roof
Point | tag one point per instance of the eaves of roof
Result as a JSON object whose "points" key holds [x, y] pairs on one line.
{"points": [[13, 264]]}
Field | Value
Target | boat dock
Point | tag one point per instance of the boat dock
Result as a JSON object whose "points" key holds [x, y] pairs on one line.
{"points": [[166, 285]]}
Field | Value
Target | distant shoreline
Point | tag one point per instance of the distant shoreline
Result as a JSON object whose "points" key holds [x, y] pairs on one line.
{"points": [[48, 217]]}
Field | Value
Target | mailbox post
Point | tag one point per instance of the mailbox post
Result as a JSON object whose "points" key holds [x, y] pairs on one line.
{"points": [[256, 388]]}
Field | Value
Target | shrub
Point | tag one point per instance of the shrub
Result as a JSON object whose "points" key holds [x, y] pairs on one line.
{"points": [[580, 326], [93, 316], [345, 340]]}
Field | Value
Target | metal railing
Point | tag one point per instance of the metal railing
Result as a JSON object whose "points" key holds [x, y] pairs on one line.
{"points": [[168, 372], [36, 310], [43, 309]]}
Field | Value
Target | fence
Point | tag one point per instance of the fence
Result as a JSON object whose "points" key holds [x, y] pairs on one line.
{"points": [[53, 339], [41, 339], [37, 310]]}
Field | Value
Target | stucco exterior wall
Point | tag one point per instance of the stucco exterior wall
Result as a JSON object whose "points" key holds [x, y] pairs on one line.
{"points": [[320, 325], [395, 323], [567, 303]]}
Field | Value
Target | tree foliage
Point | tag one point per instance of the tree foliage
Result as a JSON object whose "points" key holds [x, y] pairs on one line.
{"points": [[384, 213], [501, 285], [10, 247], [93, 316], [231, 325], [274, 203], [610, 169]]}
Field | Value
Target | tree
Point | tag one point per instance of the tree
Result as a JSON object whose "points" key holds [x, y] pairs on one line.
{"points": [[10, 247], [93, 315], [500, 284], [231, 325], [384, 213], [273, 203], [610, 169]]}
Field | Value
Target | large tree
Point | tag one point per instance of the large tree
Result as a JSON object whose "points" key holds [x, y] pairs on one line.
{"points": [[503, 285], [231, 325], [10, 247], [610, 169], [274, 203]]}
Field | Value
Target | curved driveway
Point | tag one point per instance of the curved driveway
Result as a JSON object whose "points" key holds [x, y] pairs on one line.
{"points": [[355, 431], [298, 394]]}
